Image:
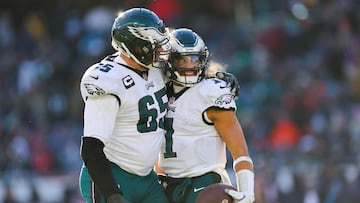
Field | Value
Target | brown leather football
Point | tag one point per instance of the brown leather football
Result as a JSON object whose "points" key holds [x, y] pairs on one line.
{"points": [[215, 193]]}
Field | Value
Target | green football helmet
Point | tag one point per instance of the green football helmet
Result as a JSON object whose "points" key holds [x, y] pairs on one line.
{"points": [[189, 57], [141, 35]]}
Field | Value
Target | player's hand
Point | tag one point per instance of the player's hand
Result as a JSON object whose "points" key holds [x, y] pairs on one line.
{"points": [[240, 197], [231, 81], [116, 198]]}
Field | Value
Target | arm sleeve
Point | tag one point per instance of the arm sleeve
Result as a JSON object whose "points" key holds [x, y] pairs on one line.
{"points": [[98, 166], [99, 120]]}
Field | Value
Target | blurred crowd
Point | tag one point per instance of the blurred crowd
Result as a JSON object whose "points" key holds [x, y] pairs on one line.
{"points": [[298, 63]]}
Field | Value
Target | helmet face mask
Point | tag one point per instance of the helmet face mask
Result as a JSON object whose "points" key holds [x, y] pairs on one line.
{"points": [[188, 58], [139, 34], [161, 56]]}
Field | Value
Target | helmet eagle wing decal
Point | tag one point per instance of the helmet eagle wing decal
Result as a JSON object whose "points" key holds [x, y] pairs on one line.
{"points": [[148, 34]]}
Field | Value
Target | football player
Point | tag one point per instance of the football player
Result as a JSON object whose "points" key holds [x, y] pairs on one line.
{"points": [[200, 124], [125, 102]]}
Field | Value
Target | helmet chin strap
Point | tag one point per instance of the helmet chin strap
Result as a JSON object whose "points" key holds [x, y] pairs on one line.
{"points": [[131, 62], [127, 53], [185, 81]]}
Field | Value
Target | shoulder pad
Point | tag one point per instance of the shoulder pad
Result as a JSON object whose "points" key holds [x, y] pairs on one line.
{"points": [[97, 80], [214, 91]]}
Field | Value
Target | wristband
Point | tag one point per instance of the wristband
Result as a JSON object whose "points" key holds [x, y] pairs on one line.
{"points": [[242, 158]]}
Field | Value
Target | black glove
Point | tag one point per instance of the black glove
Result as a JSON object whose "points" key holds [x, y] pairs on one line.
{"points": [[231, 81], [116, 198]]}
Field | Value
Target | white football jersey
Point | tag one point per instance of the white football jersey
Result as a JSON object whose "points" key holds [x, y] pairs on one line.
{"points": [[136, 137], [192, 146]]}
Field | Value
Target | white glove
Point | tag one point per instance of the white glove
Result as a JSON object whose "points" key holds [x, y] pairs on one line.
{"points": [[240, 197]]}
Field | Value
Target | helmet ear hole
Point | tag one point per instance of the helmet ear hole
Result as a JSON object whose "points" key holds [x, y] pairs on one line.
{"points": [[137, 50]]}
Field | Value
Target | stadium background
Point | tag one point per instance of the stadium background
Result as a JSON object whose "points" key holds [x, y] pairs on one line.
{"points": [[298, 62]]}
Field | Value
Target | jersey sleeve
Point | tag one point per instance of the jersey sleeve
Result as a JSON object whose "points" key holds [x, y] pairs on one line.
{"points": [[96, 82], [99, 117], [215, 94]]}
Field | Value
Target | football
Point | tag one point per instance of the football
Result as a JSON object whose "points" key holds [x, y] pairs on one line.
{"points": [[215, 193]]}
